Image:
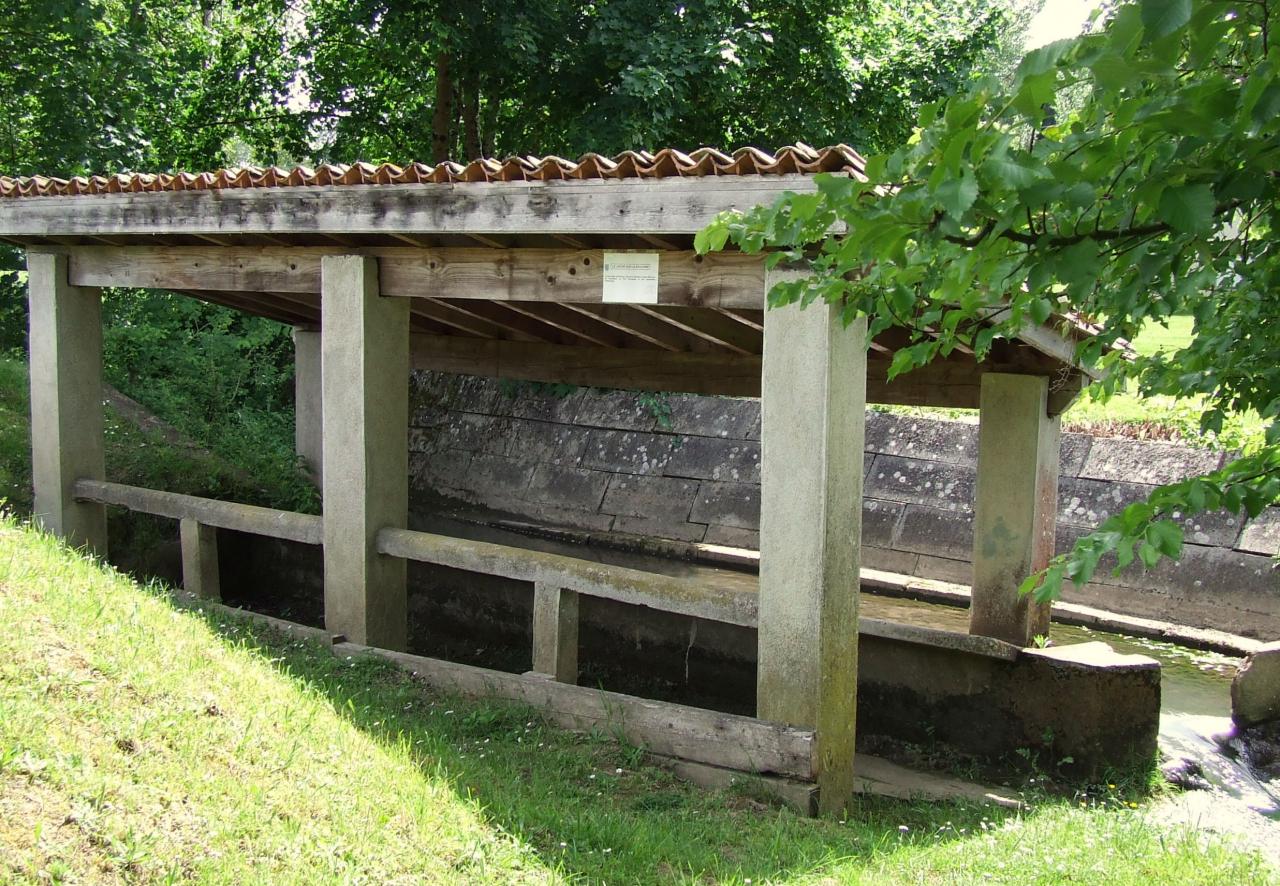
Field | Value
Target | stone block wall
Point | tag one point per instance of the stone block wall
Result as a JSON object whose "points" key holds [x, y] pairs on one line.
{"points": [[687, 468]]}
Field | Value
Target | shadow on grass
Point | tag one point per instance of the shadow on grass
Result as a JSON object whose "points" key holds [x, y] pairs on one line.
{"points": [[588, 804]]}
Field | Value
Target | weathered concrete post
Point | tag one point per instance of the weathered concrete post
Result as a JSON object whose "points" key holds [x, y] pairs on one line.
{"points": [[200, 559], [308, 427], [66, 401], [1015, 506], [555, 632], [365, 369], [813, 396]]}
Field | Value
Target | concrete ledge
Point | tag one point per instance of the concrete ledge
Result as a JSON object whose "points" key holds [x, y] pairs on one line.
{"points": [[974, 645], [1255, 690]]}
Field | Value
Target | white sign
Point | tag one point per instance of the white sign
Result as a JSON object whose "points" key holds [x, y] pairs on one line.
{"points": [[631, 277]]}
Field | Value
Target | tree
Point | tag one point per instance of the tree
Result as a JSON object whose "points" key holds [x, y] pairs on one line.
{"points": [[431, 79], [1156, 196]]}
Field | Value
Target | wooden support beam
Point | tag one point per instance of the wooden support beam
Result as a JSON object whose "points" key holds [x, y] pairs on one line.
{"points": [[813, 405], [673, 730], [559, 275], [566, 207], [555, 632], [304, 528], [638, 588], [1015, 507], [67, 440], [626, 368], [200, 559], [364, 343]]}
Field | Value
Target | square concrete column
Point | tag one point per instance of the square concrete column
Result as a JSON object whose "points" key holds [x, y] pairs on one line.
{"points": [[308, 425], [364, 346], [1015, 507], [199, 559], [813, 396], [66, 401], [555, 632]]}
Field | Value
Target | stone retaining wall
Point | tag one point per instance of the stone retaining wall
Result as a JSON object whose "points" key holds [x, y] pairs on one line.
{"points": [[687, 468]]}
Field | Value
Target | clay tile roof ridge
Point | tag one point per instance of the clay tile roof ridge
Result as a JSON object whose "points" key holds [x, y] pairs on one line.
{"points": [[798, 158]]}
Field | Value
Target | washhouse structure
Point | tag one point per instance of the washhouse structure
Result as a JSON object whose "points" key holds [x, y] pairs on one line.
{"points": [[556, 271]]}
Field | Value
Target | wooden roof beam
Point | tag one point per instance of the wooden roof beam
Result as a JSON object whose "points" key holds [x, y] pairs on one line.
{"points": [[709, 327], [580, 325]]}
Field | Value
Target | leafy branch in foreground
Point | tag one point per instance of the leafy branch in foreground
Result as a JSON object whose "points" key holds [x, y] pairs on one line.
{"points": [[1155, 195]]}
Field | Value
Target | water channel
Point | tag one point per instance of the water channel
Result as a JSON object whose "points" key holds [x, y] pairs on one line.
{"points": [[1195, 695]]}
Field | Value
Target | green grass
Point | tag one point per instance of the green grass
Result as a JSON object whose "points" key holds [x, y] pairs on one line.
{"points": [[1129, 415], [1162, 417], [141, 742]]}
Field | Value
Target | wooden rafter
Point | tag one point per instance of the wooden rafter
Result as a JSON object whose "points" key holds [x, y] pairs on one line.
{"points": [[582, 326], [709, 327]]}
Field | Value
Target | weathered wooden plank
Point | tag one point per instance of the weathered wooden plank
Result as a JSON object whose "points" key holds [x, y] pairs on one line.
{"points": [[728, 740], [656, 591], [800, 796], [627, 206], [625, 368], [564, 275], [289, 525], [946, 383]]}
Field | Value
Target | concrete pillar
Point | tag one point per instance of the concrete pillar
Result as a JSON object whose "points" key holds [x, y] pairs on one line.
{"points": [[66, 401], [1015, 506], [308, 427], [555, 632], [364, 346], [813, 396], [200, 559]]}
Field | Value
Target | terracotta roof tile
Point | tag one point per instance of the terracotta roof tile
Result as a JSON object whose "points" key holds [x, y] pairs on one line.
{"points": [[667, 163]]}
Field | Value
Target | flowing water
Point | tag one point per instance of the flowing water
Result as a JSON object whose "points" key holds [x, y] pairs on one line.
{"points": [[1195, 696]]}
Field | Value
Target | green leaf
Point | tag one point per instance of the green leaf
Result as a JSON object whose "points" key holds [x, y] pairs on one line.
{"points": [[1160, 18], [1011, 173], [1114, 72], [1188, 209], [1149, 554], [1040, 309], [1166, 537], [957, 193], [711, 238]]}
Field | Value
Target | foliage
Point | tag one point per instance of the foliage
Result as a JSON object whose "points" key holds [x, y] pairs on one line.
{"points": [[108, 86], [422, 79], [146, 458], [143, 743], [1156, 196]]}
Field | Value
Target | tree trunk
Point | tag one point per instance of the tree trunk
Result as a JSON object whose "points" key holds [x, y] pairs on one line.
{"points": [[471, 124], [442, 114]]}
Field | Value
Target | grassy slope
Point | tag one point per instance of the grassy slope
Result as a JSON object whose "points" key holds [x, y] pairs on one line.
{"points": [[1165, 413], [140, 742], [133, 457], [1156, 418]]}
